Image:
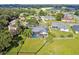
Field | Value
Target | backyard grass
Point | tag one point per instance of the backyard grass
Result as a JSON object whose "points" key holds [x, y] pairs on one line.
{"points": [[29, 46], [32, 45], [58, 34], [61, 47]]}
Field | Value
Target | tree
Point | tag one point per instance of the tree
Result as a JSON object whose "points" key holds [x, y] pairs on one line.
{"points": [[76, 13], [59, 16], [3, 22], [26, 33], [42, 13], [5, 39], [10, 14], [32, 21]]}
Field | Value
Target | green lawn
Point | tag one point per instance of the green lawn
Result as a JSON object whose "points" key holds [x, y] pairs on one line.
{"points": [[58, 33], [54, 47], [61, 47], [30, 45]]}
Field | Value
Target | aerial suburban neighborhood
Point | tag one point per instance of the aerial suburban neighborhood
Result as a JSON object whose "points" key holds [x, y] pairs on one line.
{"points": [[39, 29]]}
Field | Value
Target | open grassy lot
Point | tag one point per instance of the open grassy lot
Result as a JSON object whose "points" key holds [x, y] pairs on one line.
{"points": [[61, 47]]}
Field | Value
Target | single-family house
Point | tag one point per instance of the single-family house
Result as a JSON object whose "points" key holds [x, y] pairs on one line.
{"points": [[68, 18], [60, 26], [39, 32], [71, 9], [13, 28], [76, 28], [12, 22]]}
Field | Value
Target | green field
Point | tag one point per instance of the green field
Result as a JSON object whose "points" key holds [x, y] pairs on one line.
{"points": [[55, 47]]}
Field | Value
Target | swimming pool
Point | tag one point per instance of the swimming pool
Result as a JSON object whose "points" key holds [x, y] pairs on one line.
{"points": [[34, 36]]}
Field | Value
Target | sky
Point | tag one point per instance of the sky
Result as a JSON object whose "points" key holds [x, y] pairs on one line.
{"points": [[39, 1]]}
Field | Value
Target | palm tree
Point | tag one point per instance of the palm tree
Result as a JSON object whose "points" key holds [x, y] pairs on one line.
{"points": [[26, 33]]}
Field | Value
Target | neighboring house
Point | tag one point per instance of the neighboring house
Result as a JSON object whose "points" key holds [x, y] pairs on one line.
{"points": [[39, 32], [60, 26], [75, 28], [44, 18], [13, 28], [72, 9], [68, 18], [12, 22]]}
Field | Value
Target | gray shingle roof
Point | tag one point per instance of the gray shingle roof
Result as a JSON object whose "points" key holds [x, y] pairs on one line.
{"points": [[59, 25], [39, 29], [76, 27]]}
